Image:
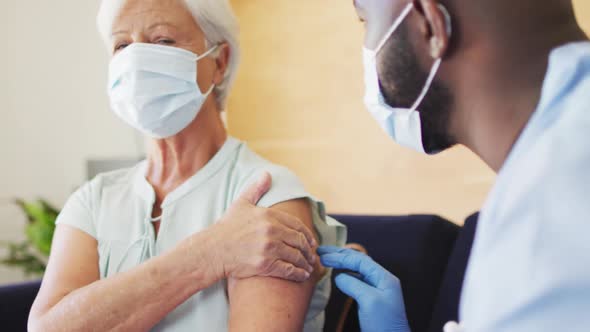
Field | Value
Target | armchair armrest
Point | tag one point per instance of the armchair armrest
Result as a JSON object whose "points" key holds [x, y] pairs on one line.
{"points": [[15, 305]]}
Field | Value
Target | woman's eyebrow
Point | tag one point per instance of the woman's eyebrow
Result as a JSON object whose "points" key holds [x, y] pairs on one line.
{"points": [[150, 27], [119, 32], [159, 24]]}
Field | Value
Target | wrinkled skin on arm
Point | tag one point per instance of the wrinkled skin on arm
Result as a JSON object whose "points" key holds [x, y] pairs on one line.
{"points": [[270, 304]]}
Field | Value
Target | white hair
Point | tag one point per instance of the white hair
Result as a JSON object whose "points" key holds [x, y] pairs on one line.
{"points": [[216, 19]]}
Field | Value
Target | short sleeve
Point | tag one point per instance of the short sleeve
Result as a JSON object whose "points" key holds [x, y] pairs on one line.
{"points": [[76, 212], [286, 186]]}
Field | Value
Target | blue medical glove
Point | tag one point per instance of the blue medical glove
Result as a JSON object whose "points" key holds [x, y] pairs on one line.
{"points": [[377, 292]]}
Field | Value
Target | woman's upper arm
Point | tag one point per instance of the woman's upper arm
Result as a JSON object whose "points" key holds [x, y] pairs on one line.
{"points": [[270, 304], [73, 264]]}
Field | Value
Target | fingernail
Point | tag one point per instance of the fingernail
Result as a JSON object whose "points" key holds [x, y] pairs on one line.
{"points": [[307, 275]]}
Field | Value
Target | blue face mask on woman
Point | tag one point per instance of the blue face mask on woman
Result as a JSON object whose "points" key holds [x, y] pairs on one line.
{"points": [[154, 89]]}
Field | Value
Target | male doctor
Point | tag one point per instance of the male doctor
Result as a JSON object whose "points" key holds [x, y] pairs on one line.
{"points": [[509, 79]]}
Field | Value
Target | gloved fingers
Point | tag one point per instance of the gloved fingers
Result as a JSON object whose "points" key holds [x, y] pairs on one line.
{"points": [[353, 287], [337, 261], [352, 260], [329, 250], [349, 260]]}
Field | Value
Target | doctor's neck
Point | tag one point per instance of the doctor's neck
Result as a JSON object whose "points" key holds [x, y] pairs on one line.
{"points": [[498, 68]]}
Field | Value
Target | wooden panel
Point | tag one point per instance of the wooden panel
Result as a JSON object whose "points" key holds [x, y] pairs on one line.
{"points": [[583, 11], [298, 102]]}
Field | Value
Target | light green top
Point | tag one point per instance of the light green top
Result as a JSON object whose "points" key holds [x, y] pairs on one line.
{"points": [[115, 208]]}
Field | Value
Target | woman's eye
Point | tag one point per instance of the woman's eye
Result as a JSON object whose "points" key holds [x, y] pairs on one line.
{"points": [[120, 46], [165, 41]]}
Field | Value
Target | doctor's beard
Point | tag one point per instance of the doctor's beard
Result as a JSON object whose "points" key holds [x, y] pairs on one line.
{"points": [[402, 79]]}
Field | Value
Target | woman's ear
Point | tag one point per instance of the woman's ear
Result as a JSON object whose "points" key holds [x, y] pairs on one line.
{"points": [[222, 62], [438, 21]]}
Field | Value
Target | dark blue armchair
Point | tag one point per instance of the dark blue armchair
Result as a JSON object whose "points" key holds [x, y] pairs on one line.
{"points": [[15, 304], [427, 253]]}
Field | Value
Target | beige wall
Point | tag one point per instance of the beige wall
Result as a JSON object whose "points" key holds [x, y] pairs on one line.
{"points": [[298, 101], [583, 11]]}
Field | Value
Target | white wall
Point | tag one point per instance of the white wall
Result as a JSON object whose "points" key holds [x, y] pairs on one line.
{"points": [[53, 108]]}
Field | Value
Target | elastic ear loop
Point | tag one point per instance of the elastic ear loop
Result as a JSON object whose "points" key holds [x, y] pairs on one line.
{"points": [[394, 26], [437, 63], [211, 50], [210, 90]]}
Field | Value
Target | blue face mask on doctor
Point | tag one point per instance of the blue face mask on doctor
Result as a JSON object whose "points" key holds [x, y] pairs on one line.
{"points": [[403, 125]]}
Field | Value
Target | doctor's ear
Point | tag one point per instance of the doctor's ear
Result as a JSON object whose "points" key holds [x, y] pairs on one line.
{"points": [[437, 26], [222, 61]]}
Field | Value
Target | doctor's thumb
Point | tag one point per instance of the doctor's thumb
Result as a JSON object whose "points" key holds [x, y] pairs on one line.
{"points": [[258, 189]]}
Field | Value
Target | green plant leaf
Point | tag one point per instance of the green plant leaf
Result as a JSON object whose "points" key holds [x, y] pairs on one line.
{"points": [[42, 217], [40, 236], [39, 211], [33, 211], [21, 255], [30, 265], [49, 209]]}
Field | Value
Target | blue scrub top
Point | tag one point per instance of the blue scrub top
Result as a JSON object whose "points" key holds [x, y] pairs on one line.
{"points": [[530, 265]]}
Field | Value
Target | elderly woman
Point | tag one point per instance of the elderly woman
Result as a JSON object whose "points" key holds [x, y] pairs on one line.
{"points": [[195, 238]]}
